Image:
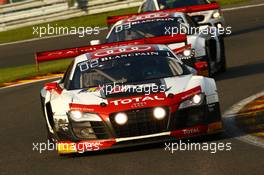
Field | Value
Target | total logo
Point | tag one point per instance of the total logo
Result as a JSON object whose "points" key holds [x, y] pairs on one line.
{"points": [[136, 100]]}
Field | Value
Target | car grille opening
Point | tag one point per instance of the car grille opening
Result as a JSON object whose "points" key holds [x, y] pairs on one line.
{"points": [[90, 130], [140, 122]]}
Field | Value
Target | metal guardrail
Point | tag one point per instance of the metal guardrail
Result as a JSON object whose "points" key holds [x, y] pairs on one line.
{"points": [[28, 4], [31, 13], [53, 10]]}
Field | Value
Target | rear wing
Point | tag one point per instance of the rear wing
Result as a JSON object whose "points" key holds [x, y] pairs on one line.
{"points": [[113, 19], [65, 53], [196, 8], [73, 52]]}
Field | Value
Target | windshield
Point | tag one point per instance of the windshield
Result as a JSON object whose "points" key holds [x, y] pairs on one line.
{"points": [[125, 70], [168, 4], [144, 29]]}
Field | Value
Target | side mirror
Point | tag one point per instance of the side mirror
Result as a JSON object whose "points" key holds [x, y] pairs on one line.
{"points": [[95, 42], [54, 86]]}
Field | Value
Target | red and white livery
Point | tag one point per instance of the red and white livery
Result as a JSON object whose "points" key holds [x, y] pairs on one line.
{"points": [[138, 93]]}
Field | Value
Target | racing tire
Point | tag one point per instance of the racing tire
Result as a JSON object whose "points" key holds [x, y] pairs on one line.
{"points": [[49, 135]]}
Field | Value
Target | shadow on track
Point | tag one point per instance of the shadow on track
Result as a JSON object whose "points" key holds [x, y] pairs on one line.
{"points": [[232, 130], [150, 146], [248, 30], [240, 71]]}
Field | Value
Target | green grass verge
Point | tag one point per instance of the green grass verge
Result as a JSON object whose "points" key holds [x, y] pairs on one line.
{"points": [[89, 20], [28, 71], [228, 2]]}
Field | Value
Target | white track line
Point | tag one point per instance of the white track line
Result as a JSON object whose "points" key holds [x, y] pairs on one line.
{"points": [[46, 37], [243, 7], [233, 129], [26, 83]]}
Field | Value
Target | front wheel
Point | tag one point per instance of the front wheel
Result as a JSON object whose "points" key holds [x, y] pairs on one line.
{"points": [[49, 135]]}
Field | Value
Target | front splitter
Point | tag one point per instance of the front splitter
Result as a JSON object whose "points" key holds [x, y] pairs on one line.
{"points": [[68, 147]]}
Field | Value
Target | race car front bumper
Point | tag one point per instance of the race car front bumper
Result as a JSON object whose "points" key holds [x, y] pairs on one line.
{"points": [[141, 126], [69, 147]]}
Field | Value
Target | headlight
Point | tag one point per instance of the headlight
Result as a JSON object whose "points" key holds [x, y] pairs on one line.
{"points": [[159, 113], [187, 52], [216, 15], [80, 116], [196, 100], [219, 25], [121, 118], [76, 115]]}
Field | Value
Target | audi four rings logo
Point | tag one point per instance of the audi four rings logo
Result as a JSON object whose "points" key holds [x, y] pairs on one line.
{"points": [[122, 50], [148, 16]]}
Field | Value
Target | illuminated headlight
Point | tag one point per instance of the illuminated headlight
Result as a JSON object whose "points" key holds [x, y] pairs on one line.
{"points": [[187, 53], [121, 118], [196, 100], [81, 116], [219, 25], [76, 115], [216, 15], [159, 113]]}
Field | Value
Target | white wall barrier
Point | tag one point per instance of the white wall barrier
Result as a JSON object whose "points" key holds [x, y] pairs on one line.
{"points": [[31, 12]]}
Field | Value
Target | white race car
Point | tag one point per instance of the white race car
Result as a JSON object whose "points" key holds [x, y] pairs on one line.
{"points": [[124, 95], [205, 42], [204, 12]]}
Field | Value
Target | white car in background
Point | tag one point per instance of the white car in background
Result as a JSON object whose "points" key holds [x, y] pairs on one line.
{"points": [[204, 12], [151, 28]]}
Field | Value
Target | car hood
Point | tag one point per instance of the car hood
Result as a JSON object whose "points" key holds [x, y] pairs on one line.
{"points": [[98, 95]]}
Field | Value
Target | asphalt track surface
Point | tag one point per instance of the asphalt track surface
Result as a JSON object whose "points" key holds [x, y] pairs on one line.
{"points": [[21, 121]]}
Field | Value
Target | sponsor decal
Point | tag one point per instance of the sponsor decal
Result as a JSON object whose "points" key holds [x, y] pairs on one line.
{"points": [[122, 104], [122, 50], [92, 89], [129, 25], [138, 105], [89, 64], [148, 16], [130, 55], [190, 131], [136, 99]]}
